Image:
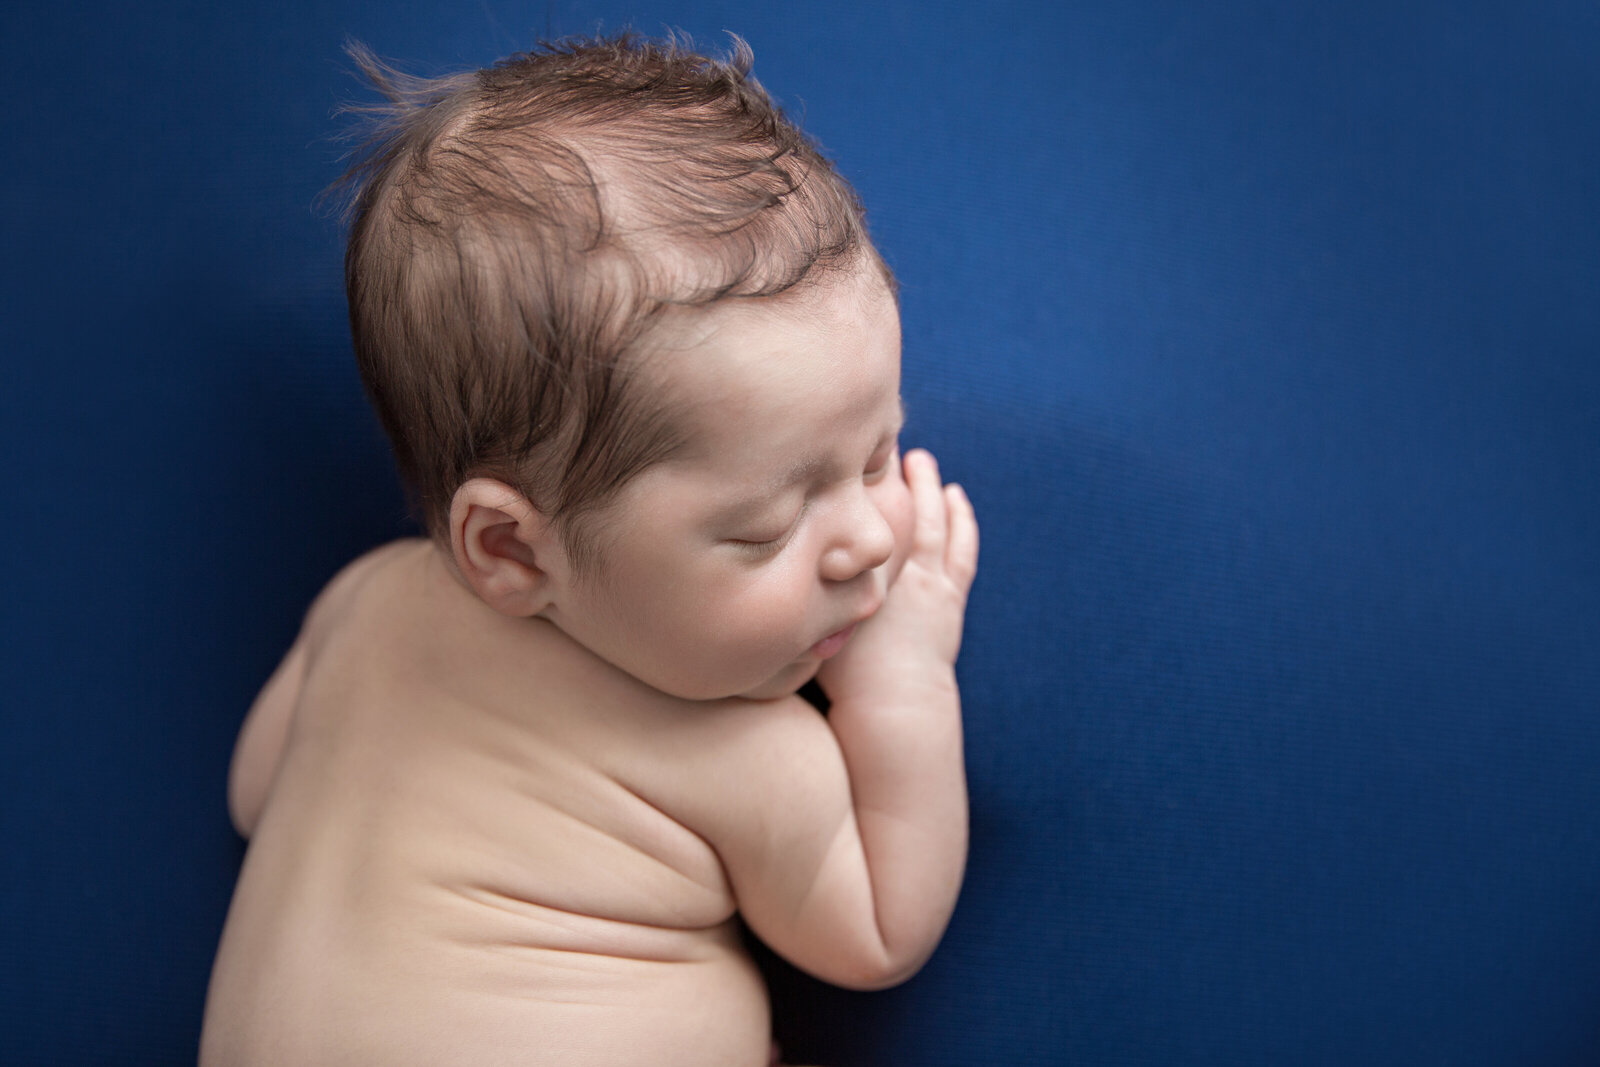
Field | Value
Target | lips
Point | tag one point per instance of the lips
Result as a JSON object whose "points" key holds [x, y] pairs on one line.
{"points": [[831, 645], [834, 642]]}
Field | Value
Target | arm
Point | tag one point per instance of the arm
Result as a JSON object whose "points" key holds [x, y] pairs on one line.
{"points": [[259, 750], [261, 739], [847, 858]]}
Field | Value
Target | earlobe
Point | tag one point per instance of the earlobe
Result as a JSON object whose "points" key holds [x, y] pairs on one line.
{"points": [[502, 546]]}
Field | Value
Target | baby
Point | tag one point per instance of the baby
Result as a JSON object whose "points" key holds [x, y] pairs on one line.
{"points": [[513, 788]]}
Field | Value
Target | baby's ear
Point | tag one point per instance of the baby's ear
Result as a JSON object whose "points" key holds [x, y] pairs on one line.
{"points": [[505, 549]]}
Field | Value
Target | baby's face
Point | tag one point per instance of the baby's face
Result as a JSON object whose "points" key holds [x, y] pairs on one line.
{"points": [[741, 564]]}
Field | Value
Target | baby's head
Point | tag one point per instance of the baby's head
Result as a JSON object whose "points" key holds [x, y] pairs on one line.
{"points": [[519, 233], [546, 261]]}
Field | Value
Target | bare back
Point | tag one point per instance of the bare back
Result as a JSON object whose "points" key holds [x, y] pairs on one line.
{"points": [[456, 861]]}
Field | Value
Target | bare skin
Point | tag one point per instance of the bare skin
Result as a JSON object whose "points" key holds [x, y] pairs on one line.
{"points": [[476, 840]]}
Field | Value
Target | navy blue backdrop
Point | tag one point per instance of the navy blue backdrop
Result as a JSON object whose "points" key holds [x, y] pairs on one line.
{"points": [[1264, 336]]}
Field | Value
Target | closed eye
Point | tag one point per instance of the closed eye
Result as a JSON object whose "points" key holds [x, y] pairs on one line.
{"points": [[766, 546], [760, 548], [878, 466]]}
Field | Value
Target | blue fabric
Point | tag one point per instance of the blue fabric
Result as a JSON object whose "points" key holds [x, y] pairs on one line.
{"points": [[1264, 336]]}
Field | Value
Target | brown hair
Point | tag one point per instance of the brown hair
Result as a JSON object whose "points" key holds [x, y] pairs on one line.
{"points": [[517, 230]]}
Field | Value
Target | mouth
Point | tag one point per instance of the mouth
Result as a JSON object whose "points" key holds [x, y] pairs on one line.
{"points": [[831, 645]]}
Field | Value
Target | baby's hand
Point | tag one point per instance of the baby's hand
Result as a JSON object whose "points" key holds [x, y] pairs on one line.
{"points": [[913, 639]]}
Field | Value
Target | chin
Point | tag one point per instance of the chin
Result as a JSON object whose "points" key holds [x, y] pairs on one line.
{"points": [[784, 684]]}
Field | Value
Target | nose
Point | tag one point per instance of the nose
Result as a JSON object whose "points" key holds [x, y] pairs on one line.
{"points": [[863, 540]]}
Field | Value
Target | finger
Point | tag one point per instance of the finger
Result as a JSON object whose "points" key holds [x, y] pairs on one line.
{"points": [[961, 554], [929, 534]]}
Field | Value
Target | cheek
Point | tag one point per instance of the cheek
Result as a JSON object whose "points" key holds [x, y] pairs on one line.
{"points": [[771, 607]]}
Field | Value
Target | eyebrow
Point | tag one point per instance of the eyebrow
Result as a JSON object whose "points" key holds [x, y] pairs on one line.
{"points": [[808, 469], [756, 505]]}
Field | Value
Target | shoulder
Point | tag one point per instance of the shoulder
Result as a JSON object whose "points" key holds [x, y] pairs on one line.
{"points": [[369, 572], [365, 567], [713, 761]]}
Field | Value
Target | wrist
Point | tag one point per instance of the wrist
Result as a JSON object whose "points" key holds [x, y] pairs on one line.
{"points": [[928, 685]]}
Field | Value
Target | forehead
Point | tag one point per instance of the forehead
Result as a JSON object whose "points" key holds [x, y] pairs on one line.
{"points": [[826, 357]]}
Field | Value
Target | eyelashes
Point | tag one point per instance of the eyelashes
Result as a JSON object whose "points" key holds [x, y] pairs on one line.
{"points": [[879, 469], [770, 546], [762, 547]]}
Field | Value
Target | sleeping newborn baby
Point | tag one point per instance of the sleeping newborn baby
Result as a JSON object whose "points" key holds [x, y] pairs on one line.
{"points": [[514, 786]]}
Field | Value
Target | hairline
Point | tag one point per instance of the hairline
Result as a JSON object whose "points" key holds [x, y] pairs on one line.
{"points": [[590, 518]]}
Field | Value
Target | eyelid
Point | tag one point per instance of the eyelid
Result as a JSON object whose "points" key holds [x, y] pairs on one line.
{"points": [[759, 549], [758, 545], [882, 465], [763, 548]]}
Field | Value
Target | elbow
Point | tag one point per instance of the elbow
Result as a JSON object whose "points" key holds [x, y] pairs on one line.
{"points": [[872, 982], [249, 781], [243, 810], [873, 972]]}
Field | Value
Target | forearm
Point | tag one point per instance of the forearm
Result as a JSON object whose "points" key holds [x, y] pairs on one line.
{"points": [[891, 877], [903, 753]]}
